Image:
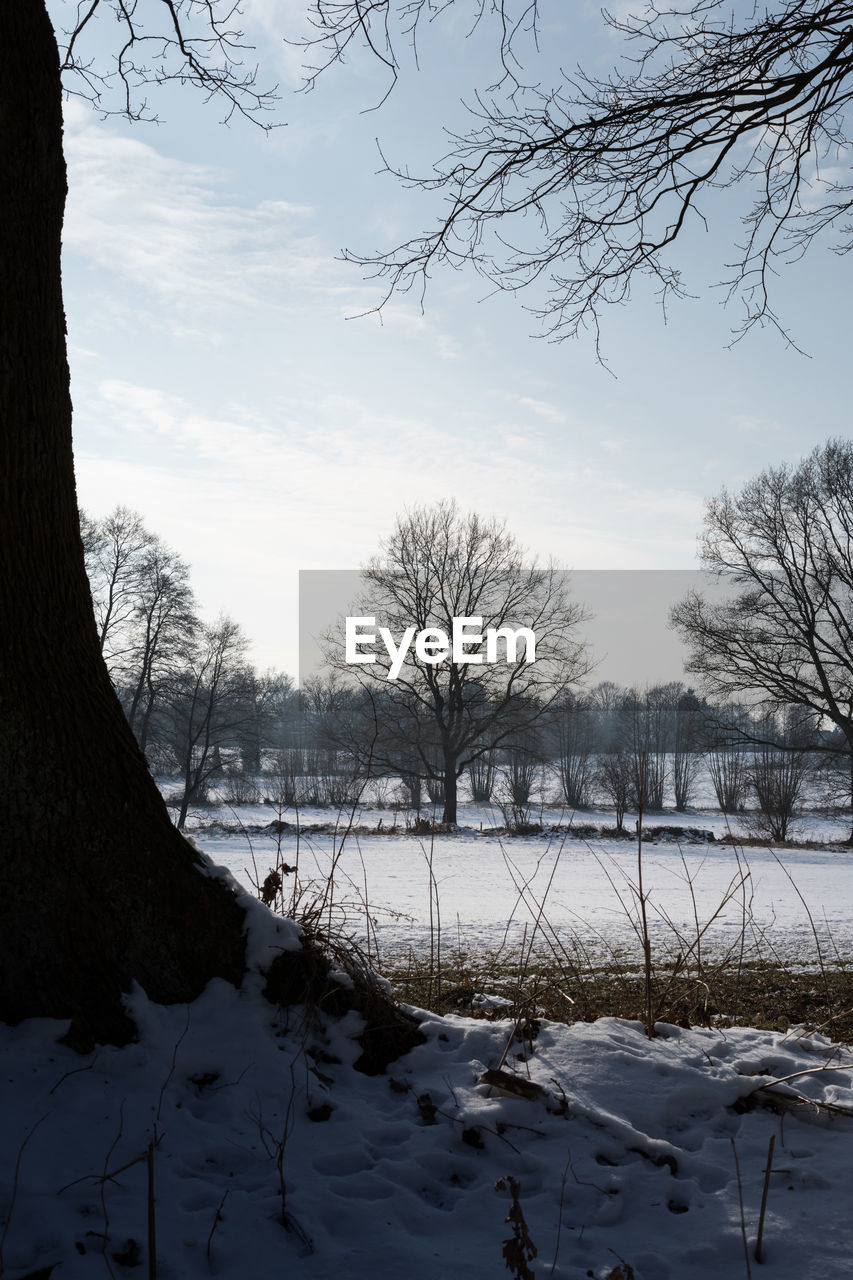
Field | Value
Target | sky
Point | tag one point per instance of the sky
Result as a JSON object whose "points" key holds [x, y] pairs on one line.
{"points": [[224, 388]]}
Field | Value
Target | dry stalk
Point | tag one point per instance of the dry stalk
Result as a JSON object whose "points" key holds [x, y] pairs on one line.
{"points": [[742, 1217], [14, 1196], [767, 1171], [217, 1218], [152, 1217]]}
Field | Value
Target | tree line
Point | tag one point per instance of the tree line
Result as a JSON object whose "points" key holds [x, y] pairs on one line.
{"points": [[627, 748], [205, 716], [186, 686]]}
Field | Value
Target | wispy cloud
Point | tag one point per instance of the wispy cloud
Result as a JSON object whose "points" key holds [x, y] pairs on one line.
{"points": [[283, 24], [409, 319], [752, 424], [542, 409], [175, 235], [251, 499]]}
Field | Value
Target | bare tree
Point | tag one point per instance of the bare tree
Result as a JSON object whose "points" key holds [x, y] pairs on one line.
{"points": [[605, 702], [164, 626], [777, 773], [270, 699], [647, 721], [438, 565], [686, 756], [611, 171], [523, 760], [211, 703], [117, 549], [97, 885], [573, 740], [785, 542], [481, 774], [726, 733], [614, 773]]}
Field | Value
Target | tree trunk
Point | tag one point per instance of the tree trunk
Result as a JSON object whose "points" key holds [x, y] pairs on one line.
{"points": [[98, 888], [450, 785]]}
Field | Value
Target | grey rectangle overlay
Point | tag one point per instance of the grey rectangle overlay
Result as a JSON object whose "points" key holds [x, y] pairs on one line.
{"points": [[628, 632]]}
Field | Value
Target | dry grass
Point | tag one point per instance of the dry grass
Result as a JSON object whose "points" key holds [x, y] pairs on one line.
{"points": [[756, 993]]}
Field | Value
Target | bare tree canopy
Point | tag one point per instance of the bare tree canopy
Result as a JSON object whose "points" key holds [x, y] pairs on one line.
{"points": [[786, 542], [439, 565], [187, 42], [584, 187]]}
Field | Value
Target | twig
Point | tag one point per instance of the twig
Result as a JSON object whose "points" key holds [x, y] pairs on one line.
{"points": [[103, 1181], [767, 1172], [21, 1149], [560, 1216], [742, 1218], [217, 1218], [173, 1063], [152, 1218], [75, 1071], [647, 945], [807, 1071]]}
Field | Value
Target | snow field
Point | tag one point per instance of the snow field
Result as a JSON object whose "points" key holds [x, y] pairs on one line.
{"points": [[630, 1153], [484, 889]]}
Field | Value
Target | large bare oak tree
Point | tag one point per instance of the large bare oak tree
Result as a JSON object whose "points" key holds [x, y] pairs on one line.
{"points": [[97, 888]]}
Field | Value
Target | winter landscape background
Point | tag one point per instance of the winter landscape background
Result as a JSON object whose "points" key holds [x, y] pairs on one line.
{"points": [[630, 1157], [594, 1020]]}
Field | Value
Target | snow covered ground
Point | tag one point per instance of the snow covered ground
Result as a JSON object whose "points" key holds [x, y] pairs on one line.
{"points": [[631, 1157], [485, 887]]}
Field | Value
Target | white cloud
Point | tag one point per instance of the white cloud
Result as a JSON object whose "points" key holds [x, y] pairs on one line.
{"points": [[170, 231], [408, 319], [542, 409], [250, 500], [752, 424], [283, 23]]}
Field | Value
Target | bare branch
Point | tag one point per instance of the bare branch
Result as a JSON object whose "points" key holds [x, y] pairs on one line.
{"points": [[585, 189], [182, 41]]}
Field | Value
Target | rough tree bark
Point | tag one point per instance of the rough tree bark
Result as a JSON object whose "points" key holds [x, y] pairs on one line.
{"points": [[97, 888]]}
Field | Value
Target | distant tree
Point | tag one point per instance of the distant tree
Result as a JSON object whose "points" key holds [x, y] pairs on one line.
{"points": [[270, 702], [726, 731], [572, 734], [777, 773], [116, 550], [163, 627], [688, 718], [784, 542], [523, 756], [210, 704], [614, 774], [437, 565], [605, 703], [647, 718], [481, 773]]}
